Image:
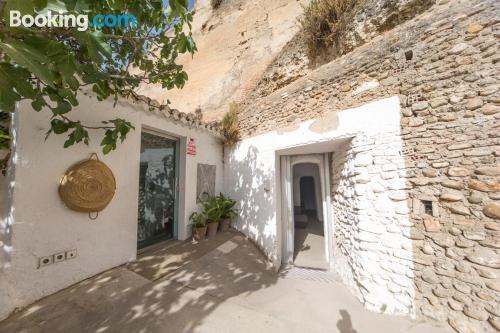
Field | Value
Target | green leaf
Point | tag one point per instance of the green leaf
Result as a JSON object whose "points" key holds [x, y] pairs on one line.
{"points": [[24, 6], [106, 59], [66, 65], [73, 84], [81, 6], [8, 97], [62, 107], [69, 95], [59, 126], [49, 48], [40, 4], [182, 45], [97, 48], [17, 78], [56, 5], [69, 142], [107, 140], [79, 133], [38, 103], [178, 7], [106, 149], [30, 59]]}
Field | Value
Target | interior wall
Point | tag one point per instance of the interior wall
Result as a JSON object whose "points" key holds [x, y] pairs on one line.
{"points": [[307, 170], [308, 193], [111, 240]]}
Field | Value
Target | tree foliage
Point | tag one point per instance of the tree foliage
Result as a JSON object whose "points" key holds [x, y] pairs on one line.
{"points": [[51, 65]]}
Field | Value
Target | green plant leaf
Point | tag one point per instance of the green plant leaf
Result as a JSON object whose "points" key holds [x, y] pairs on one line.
{"points": [[38, 103], [17, 78], [62, 107], [59, 126], [30, 59], [96, 46], [24, 6], [106, 149], [56, 5], [66, 65], [54, 63]]}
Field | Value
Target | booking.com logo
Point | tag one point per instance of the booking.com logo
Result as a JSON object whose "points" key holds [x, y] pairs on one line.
{"points": [[65, 20]]}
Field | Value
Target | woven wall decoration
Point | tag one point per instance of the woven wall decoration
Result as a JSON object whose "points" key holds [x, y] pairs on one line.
{"points": [[88, 186]]}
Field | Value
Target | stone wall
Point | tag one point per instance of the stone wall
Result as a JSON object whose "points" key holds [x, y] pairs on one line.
{"points": [[373, 235], [344, 251], [444, 66]]}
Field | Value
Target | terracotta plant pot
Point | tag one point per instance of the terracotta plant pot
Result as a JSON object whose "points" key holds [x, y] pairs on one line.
{"points": [[212, 228], [225, 224], [199, 233]]}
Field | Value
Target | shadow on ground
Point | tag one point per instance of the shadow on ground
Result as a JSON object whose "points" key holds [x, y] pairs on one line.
{"points": [[171, 289], [223, 284], [344, 324]]}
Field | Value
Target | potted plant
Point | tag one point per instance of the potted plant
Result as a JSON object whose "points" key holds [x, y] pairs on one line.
{"points": [[213, 210], [199, 222], [228, 212]]}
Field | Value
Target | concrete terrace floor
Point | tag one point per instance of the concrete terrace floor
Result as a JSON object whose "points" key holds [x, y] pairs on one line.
{"points": [[219, 285], [309, 245]]}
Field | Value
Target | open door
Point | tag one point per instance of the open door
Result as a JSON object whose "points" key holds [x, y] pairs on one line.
{"points": [[287, 211], [311, 237]]}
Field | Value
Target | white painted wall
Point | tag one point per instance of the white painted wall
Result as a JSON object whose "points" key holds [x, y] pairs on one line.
{"points": [[41, 225], [253, 166], [6, 212]]}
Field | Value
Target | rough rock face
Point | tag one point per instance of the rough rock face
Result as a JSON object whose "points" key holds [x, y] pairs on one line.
{"points": [[291, 64], [369, 19], [235, 44], [438, 256], [241, 39], [365, 21]]}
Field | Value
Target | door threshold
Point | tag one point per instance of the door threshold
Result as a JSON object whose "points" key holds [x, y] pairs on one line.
{"points": [[286, 267], [312, 268], [160, 245]]}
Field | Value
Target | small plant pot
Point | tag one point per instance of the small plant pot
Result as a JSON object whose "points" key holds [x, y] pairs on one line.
{"points": [[225, 224], [212, 228], [199, 233]]}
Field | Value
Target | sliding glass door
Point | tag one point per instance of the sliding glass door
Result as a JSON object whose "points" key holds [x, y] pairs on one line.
{"points": [[157, 189]]}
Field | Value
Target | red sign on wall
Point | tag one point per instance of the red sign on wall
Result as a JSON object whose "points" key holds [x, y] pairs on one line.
{"points": [[191, 147]]}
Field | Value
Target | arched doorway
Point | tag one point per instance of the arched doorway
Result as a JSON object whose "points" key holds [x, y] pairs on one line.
{"points": [[309, 242]]}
